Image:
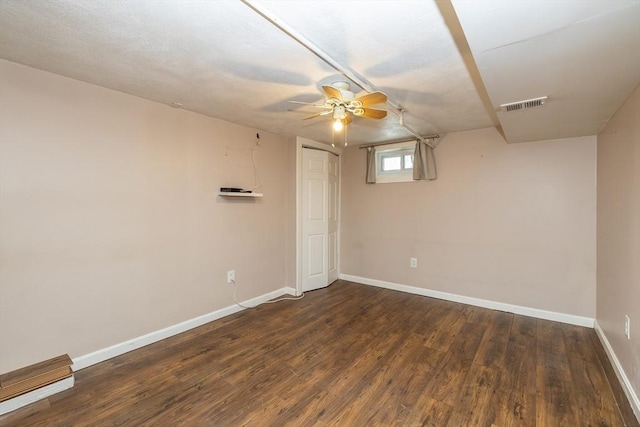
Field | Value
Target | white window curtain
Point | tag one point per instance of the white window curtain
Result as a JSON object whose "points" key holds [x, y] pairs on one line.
{"points": [[424, 163], [371, 165]]}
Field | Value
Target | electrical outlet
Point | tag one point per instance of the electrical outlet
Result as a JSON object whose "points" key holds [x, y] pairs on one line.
{"points": [[627, 327], [413, 262], [231, 277]]}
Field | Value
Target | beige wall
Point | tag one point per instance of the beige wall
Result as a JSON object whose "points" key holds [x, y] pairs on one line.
{"points": [[512, 223], [291, 236], [619, 234], [110, 222]]}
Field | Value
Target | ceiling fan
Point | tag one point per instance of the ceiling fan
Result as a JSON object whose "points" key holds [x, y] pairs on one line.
{"points": [[340, 103]]}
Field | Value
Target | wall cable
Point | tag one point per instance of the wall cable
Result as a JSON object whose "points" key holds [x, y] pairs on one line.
{"points": [[235, 298], [257, 181]]}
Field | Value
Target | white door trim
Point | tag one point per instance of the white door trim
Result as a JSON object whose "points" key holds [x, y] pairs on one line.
{"points": [[300, 143]]}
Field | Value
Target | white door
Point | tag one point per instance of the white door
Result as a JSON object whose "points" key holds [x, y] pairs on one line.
{"points": [[319, 218]]}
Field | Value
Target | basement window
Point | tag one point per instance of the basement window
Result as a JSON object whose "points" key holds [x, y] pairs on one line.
{"points": [[394, 162]]}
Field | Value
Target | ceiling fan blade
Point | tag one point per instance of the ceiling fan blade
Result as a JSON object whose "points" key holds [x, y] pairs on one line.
{"points": [[323, 113], [332, 93], [312, 104], [348, 119], [372, 113], [372, 99], [312, 116]]}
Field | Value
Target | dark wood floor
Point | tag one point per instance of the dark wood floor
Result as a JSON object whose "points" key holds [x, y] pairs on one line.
{"points": [[348, 355]]}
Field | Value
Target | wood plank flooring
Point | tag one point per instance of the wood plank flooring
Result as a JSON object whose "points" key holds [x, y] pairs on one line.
{"points": [[348, 355]]}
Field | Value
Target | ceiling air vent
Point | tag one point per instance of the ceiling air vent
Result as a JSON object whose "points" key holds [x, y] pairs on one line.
{"points": [[523, 105]]}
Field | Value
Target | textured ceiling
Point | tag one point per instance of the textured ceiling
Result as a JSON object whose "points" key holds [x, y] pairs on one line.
{"points": [[584, 55], [225, 60]]}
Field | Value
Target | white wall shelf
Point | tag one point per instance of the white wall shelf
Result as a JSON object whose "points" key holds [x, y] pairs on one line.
{"points": [[235, 194]]}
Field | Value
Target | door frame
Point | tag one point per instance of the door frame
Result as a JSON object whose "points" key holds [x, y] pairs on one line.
{"points": [[309, 143]]}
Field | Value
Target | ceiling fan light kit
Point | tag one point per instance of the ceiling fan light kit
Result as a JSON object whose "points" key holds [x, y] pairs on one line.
{"points": [[339, 112]]}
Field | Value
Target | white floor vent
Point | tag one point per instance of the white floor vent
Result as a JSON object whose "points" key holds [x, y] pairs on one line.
{"points": [[523, 105]]}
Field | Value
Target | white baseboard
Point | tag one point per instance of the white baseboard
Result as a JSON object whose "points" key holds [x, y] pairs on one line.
{"points": [[622, 376], [87, 360], [132, 344], [510, 308], [35, 395]]}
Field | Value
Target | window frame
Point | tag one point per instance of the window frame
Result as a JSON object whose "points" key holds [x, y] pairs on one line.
{"points": [[393, 150]]}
